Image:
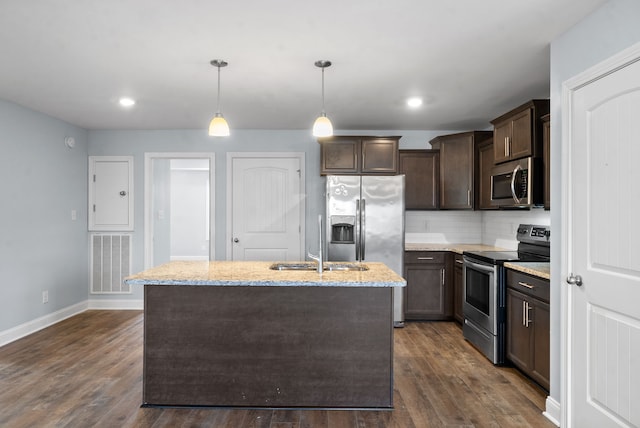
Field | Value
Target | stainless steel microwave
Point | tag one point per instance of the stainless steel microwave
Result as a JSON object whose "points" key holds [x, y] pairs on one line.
{"points": [[516, 184]]}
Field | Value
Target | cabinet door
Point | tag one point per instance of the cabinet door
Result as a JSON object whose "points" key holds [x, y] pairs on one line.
{"points": [[521, 135], [424, 297], [379, 156], [422, 179], [456, 173], [518, 334], [485, 164], [339, 156], [541, 348], [110, 193], [501, 136], [458, 290]]}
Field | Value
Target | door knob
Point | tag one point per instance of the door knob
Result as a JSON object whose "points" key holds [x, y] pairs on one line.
{"points": [[123, 193], [574, 279], [236, 240]]}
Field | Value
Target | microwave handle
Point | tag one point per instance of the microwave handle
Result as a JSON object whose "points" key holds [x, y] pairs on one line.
{"points": [[513, 183]]}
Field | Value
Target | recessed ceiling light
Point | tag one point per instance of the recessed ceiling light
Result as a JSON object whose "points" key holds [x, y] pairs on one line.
{"points": [[126, 102], [414, 102]]}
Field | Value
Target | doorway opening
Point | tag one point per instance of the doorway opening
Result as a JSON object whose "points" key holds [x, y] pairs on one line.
{"points": [[179, 207]]}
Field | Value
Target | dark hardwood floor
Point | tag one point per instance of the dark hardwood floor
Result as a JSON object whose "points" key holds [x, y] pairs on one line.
{"points": [[86, 371]]}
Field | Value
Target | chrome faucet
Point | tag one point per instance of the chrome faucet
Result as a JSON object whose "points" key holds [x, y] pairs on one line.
{"points": [[318, 258]]}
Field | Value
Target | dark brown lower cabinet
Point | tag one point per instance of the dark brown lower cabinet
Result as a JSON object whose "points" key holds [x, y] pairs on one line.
{"points": [[429, 292], [528, 325], [458, 289]]}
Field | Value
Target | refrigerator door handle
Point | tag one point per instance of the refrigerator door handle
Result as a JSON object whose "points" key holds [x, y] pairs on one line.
{"points": [[357, 227], [363, 228]]}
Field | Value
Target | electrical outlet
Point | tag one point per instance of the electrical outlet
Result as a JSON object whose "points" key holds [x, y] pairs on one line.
{"points": [[45, 296]]}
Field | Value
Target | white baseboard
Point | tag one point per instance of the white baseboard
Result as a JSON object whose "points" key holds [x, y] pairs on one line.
{"points": [[116, 304], [552, 411], [45, 321], [37, 324]]}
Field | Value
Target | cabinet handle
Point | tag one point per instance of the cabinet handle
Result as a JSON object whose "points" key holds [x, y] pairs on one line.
{"points": [[468, 197], [508, 146], [443, 277], [527, 318], [425, 258], [524, 284], [459, 261], [506, 142], [524, 312]]}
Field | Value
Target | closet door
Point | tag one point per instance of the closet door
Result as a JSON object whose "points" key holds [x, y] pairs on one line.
{"points": [[110, 193]]}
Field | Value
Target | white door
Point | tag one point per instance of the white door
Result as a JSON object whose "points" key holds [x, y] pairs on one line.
{"points": [[267, 207], [603, 246], [110, 193]]}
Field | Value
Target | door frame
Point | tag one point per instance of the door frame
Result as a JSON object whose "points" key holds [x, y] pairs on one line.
{"points": [[148, 215], [229, 200], [616, 62]]}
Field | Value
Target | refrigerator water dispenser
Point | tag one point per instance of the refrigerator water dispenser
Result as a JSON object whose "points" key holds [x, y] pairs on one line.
{"points": [[342, 229]]}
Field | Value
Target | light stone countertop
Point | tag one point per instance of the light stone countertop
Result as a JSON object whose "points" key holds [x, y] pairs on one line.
{"points": [[541, 270], [456, 248], [245, 273]]}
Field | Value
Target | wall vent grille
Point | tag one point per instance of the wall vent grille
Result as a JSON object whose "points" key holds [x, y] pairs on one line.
{"points": [[110, 263]]}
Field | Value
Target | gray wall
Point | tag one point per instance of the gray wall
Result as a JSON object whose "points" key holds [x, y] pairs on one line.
{"points": [[42, 181], [610, 29], [137, 143], [41, 248]]}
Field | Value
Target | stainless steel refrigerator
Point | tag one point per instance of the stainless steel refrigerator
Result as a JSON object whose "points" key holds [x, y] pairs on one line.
{"points": [[365, 222]]}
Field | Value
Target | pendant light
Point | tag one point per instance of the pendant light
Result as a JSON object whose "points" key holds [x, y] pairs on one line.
{"points": [[322, 126], [218, 126]]}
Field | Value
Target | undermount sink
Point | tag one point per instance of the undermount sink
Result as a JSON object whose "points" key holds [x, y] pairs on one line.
{"points": [[314, 266]]}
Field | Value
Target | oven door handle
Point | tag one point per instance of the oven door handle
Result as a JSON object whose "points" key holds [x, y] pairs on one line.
{"points": [[483, 268]]}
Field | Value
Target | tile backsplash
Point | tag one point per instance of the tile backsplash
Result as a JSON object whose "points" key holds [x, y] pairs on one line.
{"points": [[497, 228], [443, 227]]}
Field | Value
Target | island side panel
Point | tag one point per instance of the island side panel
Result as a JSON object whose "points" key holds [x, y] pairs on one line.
{"points": [[259, 346]]}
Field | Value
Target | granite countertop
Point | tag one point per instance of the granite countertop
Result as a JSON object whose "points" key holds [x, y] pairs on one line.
{"points": [[541, 270], [456, 248], [244, 273]]}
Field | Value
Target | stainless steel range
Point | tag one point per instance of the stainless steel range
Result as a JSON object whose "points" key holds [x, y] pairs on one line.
{"points": [[485, 289]]}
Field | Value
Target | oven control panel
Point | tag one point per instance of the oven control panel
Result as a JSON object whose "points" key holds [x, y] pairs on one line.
{"points": [[534, 233]]}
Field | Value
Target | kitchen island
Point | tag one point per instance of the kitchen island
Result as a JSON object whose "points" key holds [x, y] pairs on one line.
{"points": [[241, 334]]}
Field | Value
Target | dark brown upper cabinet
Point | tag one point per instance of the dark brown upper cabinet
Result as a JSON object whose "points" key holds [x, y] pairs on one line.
{"points": [[422, 179], [359, 155], [458, 168], [484, 159], [518, 133]]}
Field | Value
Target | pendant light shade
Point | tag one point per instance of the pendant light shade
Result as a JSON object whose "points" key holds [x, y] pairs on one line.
{"points": [[218, 127], [322, 126]]}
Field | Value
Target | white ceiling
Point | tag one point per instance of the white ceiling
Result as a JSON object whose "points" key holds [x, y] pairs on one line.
{"points": [[470, 60]]}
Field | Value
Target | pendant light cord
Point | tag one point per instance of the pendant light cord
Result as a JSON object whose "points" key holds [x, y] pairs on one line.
{"points": [[218, 102], [323, 112]]}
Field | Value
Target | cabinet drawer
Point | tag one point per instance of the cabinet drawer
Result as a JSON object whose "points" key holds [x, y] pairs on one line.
{"points": [[424, 257], [527, 284]]}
